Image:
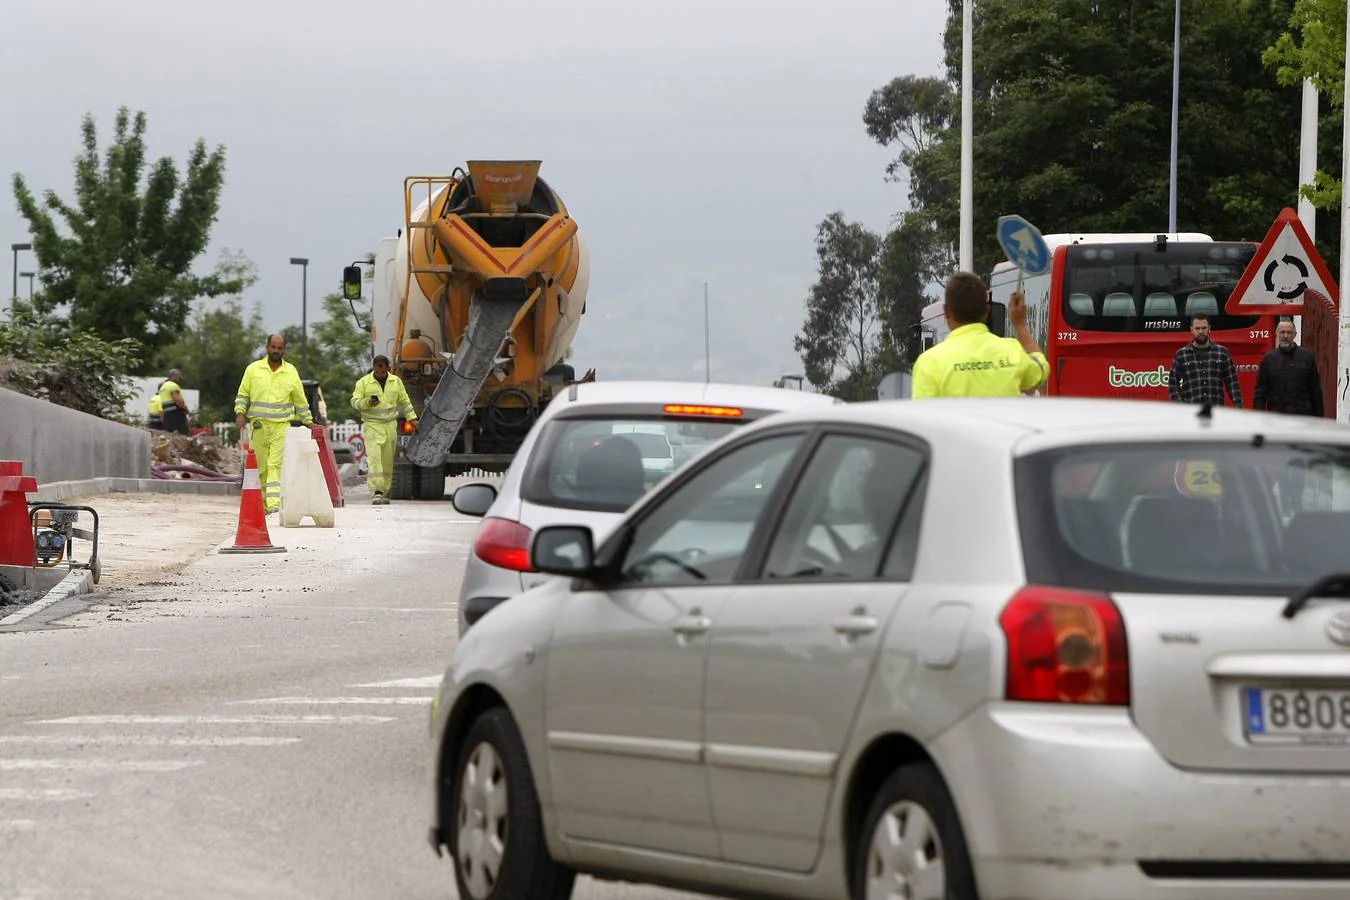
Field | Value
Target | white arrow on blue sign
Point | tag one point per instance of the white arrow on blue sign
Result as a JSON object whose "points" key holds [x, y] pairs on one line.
{"points": [[1023, 244]]}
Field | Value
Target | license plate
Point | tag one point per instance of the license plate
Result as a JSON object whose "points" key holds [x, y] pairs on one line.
{"points": [[1297, 715]]}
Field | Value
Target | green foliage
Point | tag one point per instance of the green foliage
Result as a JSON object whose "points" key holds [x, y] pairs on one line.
{"points": [[1072, 122], [1314, 48], [41, 357], [121, 267], [218, 343], [839, 341]]}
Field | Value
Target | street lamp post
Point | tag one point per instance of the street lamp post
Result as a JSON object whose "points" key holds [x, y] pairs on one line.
{"points": [[304, 309], [29, 276], [1176, 109], [16, 248], [966, 243]]}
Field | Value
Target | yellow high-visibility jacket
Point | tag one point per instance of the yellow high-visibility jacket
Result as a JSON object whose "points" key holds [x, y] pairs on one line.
{"points": [[973, 362], [394, 401], [268, 396]]}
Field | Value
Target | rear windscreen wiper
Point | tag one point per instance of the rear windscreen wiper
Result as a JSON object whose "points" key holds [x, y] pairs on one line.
{"points": [[1337, 582]]}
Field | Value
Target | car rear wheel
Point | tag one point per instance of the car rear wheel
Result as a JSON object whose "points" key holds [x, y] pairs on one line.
{"points": [[911, 845], [497, 837]]}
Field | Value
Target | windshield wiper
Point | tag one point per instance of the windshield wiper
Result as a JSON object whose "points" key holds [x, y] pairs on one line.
{"points": [[1338, 581]]}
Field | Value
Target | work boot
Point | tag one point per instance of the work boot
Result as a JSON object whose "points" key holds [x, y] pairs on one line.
{"points": [[378, 499]]}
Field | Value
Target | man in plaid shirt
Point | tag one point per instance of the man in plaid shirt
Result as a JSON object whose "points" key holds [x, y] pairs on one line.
{"points": [[1202, 370]]}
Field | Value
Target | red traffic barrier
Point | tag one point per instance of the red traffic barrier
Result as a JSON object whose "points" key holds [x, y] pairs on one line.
{"points": [[329, 463], [16, 530], [252, 536]]}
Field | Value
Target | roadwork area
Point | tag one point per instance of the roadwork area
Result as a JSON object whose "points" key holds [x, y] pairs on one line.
{"points": [[143, 537]]}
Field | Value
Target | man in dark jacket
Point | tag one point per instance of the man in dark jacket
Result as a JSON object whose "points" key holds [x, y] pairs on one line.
{"points": [[1288, 381]]}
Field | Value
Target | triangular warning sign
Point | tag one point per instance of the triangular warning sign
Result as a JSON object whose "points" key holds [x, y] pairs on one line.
{"points": [[1286, 269]]}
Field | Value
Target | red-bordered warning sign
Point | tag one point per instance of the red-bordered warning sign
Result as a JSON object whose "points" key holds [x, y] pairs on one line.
{"points": [[1286, 269]]}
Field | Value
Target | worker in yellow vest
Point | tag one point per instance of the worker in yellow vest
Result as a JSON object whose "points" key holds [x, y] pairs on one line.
{"points": [[270, 395], [173, 408], [382, 400], [156, 409]]}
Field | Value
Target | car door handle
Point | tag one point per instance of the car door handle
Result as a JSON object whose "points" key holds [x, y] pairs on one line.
{"points": [[692, 625], [856, 625]]}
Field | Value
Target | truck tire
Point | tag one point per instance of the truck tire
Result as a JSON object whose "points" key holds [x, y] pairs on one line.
{"points": [[430, 483], [402, 481]]}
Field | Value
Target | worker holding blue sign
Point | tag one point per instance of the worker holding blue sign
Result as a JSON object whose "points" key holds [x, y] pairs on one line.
{"points": [[972, 361]]}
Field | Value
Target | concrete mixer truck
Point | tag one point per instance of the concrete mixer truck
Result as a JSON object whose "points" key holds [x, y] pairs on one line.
{"points": [[475, 303]]}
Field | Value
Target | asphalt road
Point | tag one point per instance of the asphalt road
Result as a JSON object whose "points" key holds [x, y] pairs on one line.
{"points": [[251, 726]]}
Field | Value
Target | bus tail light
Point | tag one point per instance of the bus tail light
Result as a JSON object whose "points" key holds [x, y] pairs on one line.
{"points": [[1065, 646], [504, 543]]}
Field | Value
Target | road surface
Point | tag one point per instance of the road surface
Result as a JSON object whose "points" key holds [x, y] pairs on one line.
{"points": [[247, 726]]}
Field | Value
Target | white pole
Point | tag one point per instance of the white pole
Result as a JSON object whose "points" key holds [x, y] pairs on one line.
{"points": [[967, 250], [1343, 342], [707, 341], [1176, 110], [1307, 171]]}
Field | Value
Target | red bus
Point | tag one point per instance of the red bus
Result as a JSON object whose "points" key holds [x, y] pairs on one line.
{"points": [[1113, 309]]}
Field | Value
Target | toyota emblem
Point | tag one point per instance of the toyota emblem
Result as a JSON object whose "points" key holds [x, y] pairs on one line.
{"points": [[1338, 628]]}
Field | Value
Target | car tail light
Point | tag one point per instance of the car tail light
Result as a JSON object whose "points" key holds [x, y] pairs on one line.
{"points": [[504, 543], [1065, 646]]}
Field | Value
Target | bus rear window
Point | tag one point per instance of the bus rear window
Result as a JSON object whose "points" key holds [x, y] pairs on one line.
{"points": [[1137, 288]]}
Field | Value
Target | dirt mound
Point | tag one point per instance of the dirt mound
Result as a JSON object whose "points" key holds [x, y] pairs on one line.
{"points": [[167, 448]]}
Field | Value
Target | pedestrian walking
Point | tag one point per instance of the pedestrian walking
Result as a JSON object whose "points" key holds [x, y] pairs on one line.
{"points": [[1203, 370]]}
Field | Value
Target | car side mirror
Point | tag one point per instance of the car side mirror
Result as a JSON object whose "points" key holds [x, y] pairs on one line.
{"points": [[351, 283], [998, 319], [473, 499], [563, 550]]}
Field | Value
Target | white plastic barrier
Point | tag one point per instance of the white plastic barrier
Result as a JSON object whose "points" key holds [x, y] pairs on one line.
{"points": [[304, 491]]}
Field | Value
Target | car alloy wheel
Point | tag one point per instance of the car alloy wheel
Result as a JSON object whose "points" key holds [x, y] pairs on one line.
{"points": [[483, 820], [905, 860]]}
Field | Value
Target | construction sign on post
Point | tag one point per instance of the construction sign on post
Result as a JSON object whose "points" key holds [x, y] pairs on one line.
{"points": [[1286, 269]]}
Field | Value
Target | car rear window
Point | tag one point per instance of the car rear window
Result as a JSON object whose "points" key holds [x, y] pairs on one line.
{"points": [[1211, 517], [606, 463]]}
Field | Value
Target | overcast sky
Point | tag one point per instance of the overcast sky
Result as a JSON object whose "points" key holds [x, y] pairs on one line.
{"points": [[694, 141]]}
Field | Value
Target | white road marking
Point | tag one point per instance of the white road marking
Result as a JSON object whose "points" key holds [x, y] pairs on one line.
{"points": [[17, 824], [100, 765], [22, 794], [431, 681], [216, 720], [147, 740], [322, 701]]}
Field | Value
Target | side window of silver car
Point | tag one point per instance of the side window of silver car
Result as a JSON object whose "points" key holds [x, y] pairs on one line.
{"points": [[699, 533], [839, 522]]}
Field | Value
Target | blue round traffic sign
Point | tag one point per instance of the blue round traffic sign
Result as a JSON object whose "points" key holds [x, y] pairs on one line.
{"points": [[1023, 244]]}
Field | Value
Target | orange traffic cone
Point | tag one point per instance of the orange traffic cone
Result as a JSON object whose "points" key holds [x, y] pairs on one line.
{"points": [[252, 535]]}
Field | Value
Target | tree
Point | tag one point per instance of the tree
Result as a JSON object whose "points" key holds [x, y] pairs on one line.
{"points": [[122, 266], [1314, 48], [838, 343], [1073, 120], [218, 343]]}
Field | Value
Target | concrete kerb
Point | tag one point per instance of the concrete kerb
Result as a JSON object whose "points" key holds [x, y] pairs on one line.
{"points": [[57, 491], [75, 582]]}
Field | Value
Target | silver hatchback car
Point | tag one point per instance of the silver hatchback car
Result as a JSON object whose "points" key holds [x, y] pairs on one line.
{"points": [[595, 450], [939, 650]]}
